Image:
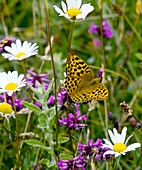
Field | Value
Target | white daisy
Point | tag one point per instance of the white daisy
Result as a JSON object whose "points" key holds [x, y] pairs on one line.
{"points": [[73, 10], [6, 110], [19, 51], [119, 145], [11, 82]]}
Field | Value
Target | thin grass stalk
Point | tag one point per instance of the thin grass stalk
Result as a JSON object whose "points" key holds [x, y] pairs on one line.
{"points": [[53, 68], [71, 35], [104, 62], [17, 133]]}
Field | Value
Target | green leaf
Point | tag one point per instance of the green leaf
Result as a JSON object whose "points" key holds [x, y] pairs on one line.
{"points": [[38, 90], [48, 91], [66, 156], [62, 139], [47, 163], [42, 121], [139, 56], [36, 143], [32, 107]]}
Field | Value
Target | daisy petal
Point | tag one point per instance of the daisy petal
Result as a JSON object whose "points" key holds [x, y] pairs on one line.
{"points": [[64, 6], [111, 152], [71, 4], [9, 49], [86, 9], [123, 134], [128, 139], [133, 146], [79, 2], [108, 143], [111, 136], [117, 136], [59, 10], [117, 154]]}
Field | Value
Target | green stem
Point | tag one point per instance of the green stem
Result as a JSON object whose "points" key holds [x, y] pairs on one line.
{"points": [[102, 37], [116, 163], [4, 127], [17, 133], [104, 62], [26, 127], [69, 131], [24, 67], [133, 28], [2, 153], [53, 68], [71, 35], [69, 45]]}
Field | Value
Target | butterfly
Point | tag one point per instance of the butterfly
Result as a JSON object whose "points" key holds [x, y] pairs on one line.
{"points": [[80, 83]]}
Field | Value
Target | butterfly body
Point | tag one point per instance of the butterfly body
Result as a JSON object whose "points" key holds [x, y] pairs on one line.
{"points": [[80, 82]]}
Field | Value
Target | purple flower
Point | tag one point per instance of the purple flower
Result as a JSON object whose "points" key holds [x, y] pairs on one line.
{"points": [[38, 78], [6, 42], [76, 105], [97, 43], [73, 122], [51, 100], [18, 102], [62, 96], [107, 30], [93, 28], [38, 105], [99, 151], [93, 149], [100, 73], [87, 149], [99, 156], [76, 163]]}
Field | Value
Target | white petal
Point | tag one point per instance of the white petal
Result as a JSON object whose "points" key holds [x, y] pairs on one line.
{"points": [[10, 50], [107, 146], [14, 47], [7, 55], [117, 136], [10, 93], [59, 10], [81, 16], [32, 48], [108, 143], [71, 4], [18, 44], [123, 134], [64, 6], [79, 2], [14, 76], [21, 76], [117, 154], [111, 136], [86, 9], [24, 46], [133, 146], [128, 139], [111, 152], [67, 16]]}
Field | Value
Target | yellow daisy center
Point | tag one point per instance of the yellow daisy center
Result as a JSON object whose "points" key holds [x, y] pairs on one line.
{"points": [[73, 12], [20, 54], [11, 86], [5, 108], [119, 147]]}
